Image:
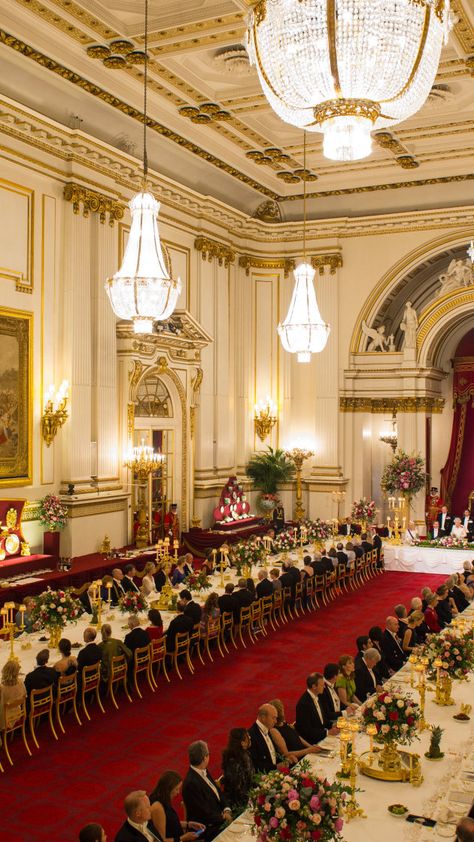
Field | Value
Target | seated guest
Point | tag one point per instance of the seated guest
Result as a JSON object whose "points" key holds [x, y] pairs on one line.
{"points": [[275, 579], [411, 536], [431, 616], [287, 741], [147, 587], [365, 543], [25, 618], [262, 750], [362, 643], [264, 586], [155, 629], [67, 664], [365, 678], [164, 818], [410, 638], [351, 556], [242, 599], [467, 570], [90, 654], [393, 653], [345, 682], [181, 571], [136, 637], [330, 700], [346, 528], [238, 770], [415, 605], [400, 612], [332, 555], [42, 675], [342, 557], [311, 722], [307, 572], [127, 582], [425, 593], [87, 600], [92, 833], [159, 577], [110, 648], [358, 548], [251, 588], [138, 812], [226, 602], [457, 529], [118, 589], [202, 798], [12, 691], [211, 610], [179, 624], [445, 607], [191, 609], [458, 591], [382, 670], [377, 545]]}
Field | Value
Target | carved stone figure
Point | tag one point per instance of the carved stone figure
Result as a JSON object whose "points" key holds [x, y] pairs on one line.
{"points": [[378, 341], [409, 325], [460, 273], [391, 343]]}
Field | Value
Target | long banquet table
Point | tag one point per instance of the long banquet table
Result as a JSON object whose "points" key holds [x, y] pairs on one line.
{"points": [[448, 785], [425, 559]]}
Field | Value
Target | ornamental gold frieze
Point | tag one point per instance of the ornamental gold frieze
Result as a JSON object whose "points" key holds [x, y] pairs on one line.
{"points": [[247, 262], [463, 29], [212, 249], [31, 511], [93, 202], [390, 405], [332, 261]]}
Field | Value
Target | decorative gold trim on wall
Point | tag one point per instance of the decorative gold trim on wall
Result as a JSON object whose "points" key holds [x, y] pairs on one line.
{"points": [[93, 202], [439, 308], [333, 261], [213, 249], [23, 283], [247, 262], [390, 405], [31, 511]]}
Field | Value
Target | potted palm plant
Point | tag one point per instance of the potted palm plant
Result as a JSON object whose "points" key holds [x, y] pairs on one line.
{"points": [[267, 469]]}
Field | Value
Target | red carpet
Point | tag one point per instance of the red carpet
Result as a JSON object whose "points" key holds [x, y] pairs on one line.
{"points": [[85, 775]]}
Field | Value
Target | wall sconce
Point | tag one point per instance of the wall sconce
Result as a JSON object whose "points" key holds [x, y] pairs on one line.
{"points": [[391, 437], [265, 418], [55, 413]]}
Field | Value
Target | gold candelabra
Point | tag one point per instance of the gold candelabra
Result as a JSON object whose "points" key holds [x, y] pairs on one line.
{"points": [[9, 625], [348, 730], [55, 412], [96, 602], [298, 455], [165, 559], [338, 497], [142, 461], [397, 505], [223, 563], [265, 418], [420, 669], [444, 685]]}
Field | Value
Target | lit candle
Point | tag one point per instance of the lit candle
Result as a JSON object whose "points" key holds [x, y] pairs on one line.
{"points": [[404, 520], [388, 521]]}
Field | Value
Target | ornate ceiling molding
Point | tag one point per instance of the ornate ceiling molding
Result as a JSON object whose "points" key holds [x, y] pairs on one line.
{"points": [[332, 260], [211, 249], [247, 262], [425, 403], [93, 202], [386, 140]]}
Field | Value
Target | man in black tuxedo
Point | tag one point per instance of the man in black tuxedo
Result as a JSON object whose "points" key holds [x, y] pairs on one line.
{"points": [[362, 643], [91, 653], [159, 578], [377, 545], [322, 565], [264, 586], [202, 797], [358, 548], [242, 599], [311, 722], [445, 522], [42, 676], [331, 703], [468, 524], [342, 557], [392, 651], [118, 589], [191, 609], [136, 637], [127, 582], [227, 601], [262, 750], [181, 623], [401, 614], [365, 543], [136, 828], [346, 528], [365, 678]]}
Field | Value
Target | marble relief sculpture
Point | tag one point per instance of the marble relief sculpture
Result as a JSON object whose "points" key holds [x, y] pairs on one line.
{"points": [[377, 340], [409, 325], [460, 273]]}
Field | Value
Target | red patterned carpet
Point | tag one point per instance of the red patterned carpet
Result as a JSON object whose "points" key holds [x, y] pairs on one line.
{"points": [[85, 775]]}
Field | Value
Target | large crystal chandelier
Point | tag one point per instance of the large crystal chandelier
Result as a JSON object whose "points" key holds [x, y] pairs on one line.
{"points": [[346, 67], [303, 332], [142, 290]]}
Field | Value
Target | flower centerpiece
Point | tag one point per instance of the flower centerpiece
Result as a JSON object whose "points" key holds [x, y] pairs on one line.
{"points": [[132, 603], [404, 475], [244, 554], [395, 716], [449, 542], [53, 609], [297, 805], [285, 541], [363, 510], [318, 530], [455, 651], [53, 513], [198, 581]]}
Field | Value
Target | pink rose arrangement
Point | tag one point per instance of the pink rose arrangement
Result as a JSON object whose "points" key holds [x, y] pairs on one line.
{"points": [[285, 541], [56, 608], [297, 804], [318, 530], [404, 475], [53, 513], [454, 650], [395, 716], [132, 603], [363, 509]]}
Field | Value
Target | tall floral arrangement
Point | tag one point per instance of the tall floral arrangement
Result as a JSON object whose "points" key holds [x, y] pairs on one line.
{"points": [[53, 513], [318, 530], [285, 541], [297, 805], [246, 553], [55, 608], [455, 651], [395, 716], [363, 509], [404, 475]]}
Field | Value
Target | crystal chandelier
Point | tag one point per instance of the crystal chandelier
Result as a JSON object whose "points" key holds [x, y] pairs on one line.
{"points": [[391, 437], [303, 332], [142, 290], [346, 67]]}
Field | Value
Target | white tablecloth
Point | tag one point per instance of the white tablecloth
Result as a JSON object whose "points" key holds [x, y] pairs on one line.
{"points": [[425, 559]]}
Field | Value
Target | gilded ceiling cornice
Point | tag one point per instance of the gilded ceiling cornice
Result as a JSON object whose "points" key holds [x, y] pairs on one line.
{"points": [[425, 403], [332, 260], [463, 29], [247, 262], [75, 11], [93, 202], [211, 249], [386, 140]]}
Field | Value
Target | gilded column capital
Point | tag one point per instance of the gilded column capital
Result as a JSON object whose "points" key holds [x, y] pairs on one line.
{"points": [[419, 403], [333, 261], [211, 249], [93, 202], [246, 261]]}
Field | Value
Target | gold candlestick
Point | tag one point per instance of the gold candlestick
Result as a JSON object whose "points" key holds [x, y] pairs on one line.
{"points": [[372, 732], [412, 660], [9, 626]]}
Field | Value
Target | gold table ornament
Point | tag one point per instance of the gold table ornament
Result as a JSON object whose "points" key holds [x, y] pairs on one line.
{"points": [[9, 625], [420, 668]]}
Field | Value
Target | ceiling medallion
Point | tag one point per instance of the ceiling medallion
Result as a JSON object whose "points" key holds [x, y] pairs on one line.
{"points": [[117, 55], [207, 112], [347, 67]]}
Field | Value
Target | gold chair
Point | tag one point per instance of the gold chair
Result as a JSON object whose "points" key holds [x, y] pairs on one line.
{"points": [[329, 585], [245, 624], [90, 683], [341, 576], [213, 632], [195, 642], [319, 590], [227, 630], [118, 675], [299, 599], [277, 613], [181, 648], [141, 663], [373, 563], [267, 612], [286, 607], [359, 570], [309, 592], [256, 614], [66, 691], [158, 656], [17, 719], [41, 702]]}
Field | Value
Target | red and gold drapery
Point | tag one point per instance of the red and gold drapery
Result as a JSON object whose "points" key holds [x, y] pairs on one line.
{"points": [[457, 476]]}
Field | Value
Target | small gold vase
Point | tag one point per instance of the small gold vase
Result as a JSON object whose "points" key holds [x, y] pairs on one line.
{"points": [[389, 758], [54, 636]]}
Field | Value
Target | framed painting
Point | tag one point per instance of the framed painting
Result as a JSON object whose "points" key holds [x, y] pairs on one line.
{"points": [[16, 343]]}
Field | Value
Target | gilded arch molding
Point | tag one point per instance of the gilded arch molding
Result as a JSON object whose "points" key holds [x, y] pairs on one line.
{"points": [[395, 274], [452, 308]]}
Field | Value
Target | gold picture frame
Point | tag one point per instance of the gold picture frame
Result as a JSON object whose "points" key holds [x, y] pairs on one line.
{"points": [[16, 385]]}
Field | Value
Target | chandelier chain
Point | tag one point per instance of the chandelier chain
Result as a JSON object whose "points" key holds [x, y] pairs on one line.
{"points": [[145, 90], [304, 197]]}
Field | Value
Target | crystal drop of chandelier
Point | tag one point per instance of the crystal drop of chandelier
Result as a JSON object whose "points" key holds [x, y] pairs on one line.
{"points": [[347, 67], [142, 290], [303, 332]]}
